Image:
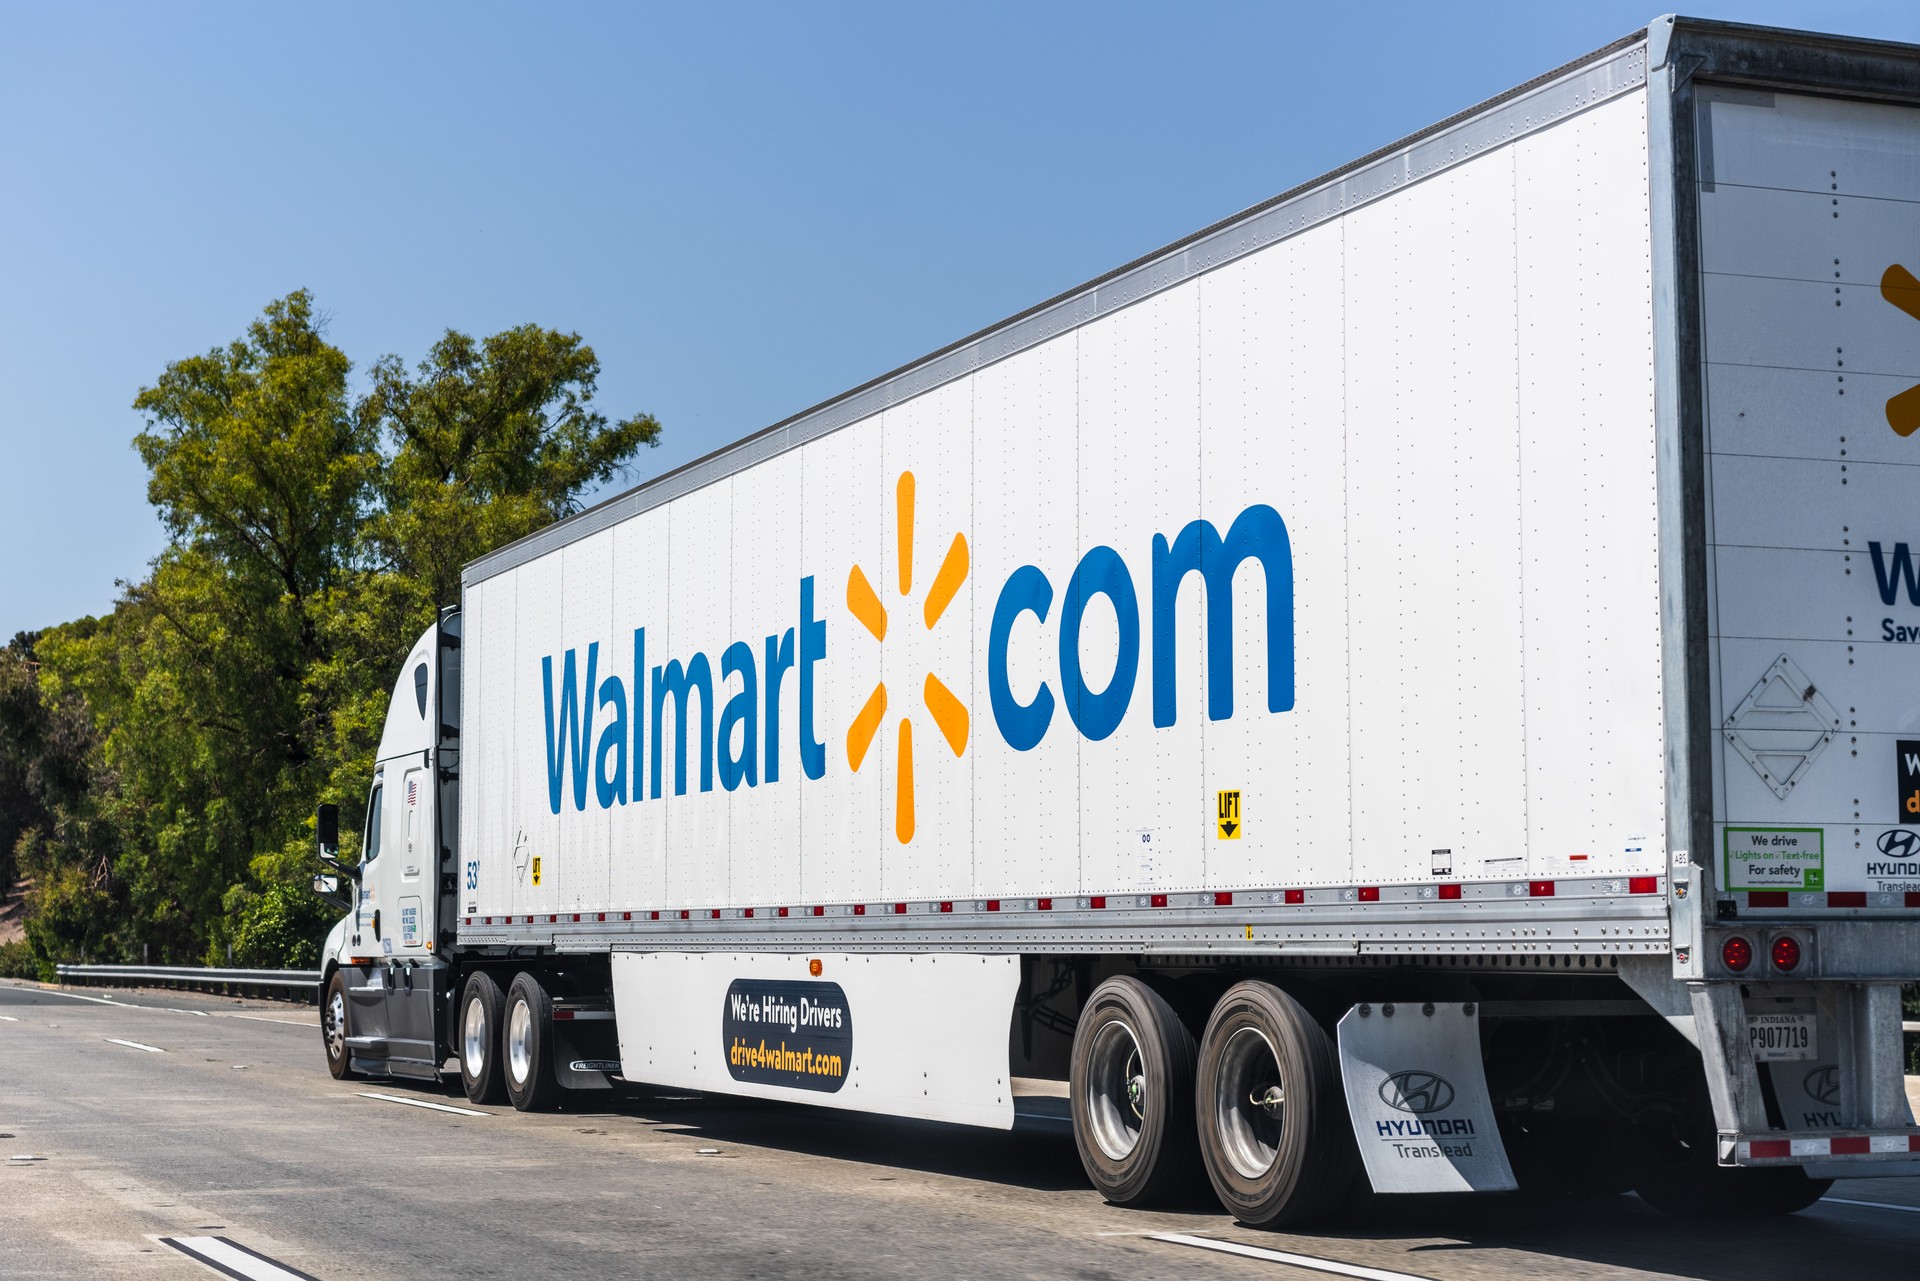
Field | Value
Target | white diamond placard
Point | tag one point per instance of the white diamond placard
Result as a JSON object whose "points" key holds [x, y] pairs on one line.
{"points": [[1782, 725]]}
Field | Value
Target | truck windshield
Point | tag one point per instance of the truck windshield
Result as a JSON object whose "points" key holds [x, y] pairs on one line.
{"points": [[371, 845]]}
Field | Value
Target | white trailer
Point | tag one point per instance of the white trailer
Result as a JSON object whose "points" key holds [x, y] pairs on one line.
{"points": [[1406, 684]]}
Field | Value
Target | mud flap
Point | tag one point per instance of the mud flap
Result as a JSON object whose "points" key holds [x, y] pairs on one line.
{"points": [[585, 1050], [1417, 1097]]}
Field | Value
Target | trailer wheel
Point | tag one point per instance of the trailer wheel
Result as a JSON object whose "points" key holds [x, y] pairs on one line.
{"points": [[333, 1027], [1676, 1172], [1132, 1091], [1272, 1114], [477, 1039], [527, 1046]]}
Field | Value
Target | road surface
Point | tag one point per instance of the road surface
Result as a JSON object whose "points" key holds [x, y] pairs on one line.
{"points": [[158, 1116]]}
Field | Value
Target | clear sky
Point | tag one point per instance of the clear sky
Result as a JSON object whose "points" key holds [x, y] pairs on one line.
{"points": [[744, 208]]}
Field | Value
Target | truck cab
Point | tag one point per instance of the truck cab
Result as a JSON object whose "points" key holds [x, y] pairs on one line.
{"points": [[384, 970]]}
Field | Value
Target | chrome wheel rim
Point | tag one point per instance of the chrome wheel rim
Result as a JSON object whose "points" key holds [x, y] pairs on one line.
{"points": [[473, 1037], [1117, 1099], [520, 1042], [1249, 1102], [336, 1025]]}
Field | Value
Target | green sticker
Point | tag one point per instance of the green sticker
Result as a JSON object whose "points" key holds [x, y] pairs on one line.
{"points": [[1774, 858]]}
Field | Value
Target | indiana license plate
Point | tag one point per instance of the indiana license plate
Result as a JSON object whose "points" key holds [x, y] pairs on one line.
{"points": [[1781, 1038]]}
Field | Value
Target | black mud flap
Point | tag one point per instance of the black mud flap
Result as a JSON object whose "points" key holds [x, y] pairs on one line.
{"points": [[586, 1050]]}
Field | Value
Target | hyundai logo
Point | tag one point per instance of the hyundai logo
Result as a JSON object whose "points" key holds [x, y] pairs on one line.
{"points": [[1823, 1084], [1416, 1091], [1898, 842]]}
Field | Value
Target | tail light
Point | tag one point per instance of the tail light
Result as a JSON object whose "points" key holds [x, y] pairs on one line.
{"points": [[1736, 954], [1786, 953]]}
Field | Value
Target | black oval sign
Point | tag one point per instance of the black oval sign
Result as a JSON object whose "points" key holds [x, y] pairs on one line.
{"points": [[1416, 1091], [795, 1034]]}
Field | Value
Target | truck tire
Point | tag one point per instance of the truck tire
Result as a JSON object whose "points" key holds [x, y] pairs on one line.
{"points": [[1272, 1114], [1675, 1171], [478, 1037], [526, 1046], [333, 1027], [1132, 1092]]}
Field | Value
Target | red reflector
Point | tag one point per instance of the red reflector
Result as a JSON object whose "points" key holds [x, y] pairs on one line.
{"points": [[1772, 1147], [859, 909], [946, 907], [1097, 902], [1369, 893], [562, 1016], [683, 914], [1158, 900], [1852, 1145], [554, 919], [1846, 898], [1766, 898], [716, 913], [993, 905], [576, 918], [818, 910], [748, 913], [626, 916], [899, 909], [489, 920], [1296, 896], [1223, 898], [1736, 954], [783, 911], [1643, 885], [1913, 898], [1786, 953], [653, 915], [1449, 891], [1539, 889], [601, 917], [1044, 905], [1913, 1143]]}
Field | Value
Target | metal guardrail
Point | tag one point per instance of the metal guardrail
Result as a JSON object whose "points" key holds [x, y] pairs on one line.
{"points": [[298, 983]]}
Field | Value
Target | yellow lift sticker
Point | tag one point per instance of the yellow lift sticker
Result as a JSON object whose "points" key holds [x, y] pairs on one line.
{"points": [[1227, 815]]}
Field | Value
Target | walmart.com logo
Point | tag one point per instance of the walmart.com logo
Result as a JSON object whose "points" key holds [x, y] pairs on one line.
{"points": [[609, 739]]}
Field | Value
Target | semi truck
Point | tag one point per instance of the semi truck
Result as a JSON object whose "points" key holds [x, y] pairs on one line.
{"points": [[1412, 688]]}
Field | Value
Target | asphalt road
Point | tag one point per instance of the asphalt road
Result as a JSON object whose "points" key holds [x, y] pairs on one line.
{"points": [[228, 1126]]}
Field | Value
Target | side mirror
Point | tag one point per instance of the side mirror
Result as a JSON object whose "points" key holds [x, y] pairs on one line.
{"points": [[326, 823]]}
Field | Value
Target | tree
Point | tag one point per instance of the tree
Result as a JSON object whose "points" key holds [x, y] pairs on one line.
{"points": [[490, 441], [311, 539]]}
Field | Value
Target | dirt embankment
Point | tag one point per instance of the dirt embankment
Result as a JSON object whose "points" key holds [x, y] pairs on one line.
{"points": [[13, 901]]}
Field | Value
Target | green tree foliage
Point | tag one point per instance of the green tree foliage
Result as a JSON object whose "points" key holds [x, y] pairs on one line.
{"points": [[169, 755]]}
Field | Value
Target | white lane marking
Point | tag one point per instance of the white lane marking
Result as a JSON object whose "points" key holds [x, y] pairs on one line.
{"points": [[261, 1018], [8, 1018], [1871, 1205], [75, 996], [168, 1009], [1293, 1260], [133, 1045], [422, 1103], [234, 1260]]}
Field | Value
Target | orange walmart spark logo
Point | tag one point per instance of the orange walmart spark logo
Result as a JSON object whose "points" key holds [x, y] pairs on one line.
{"points": [[948, 712], [1899, 287]]}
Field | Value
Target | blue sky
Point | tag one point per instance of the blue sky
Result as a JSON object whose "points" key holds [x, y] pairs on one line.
{"points": [[745, 209]]}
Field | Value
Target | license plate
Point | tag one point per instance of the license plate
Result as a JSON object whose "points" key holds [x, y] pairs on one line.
{"points": [[1781, 1038]]}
